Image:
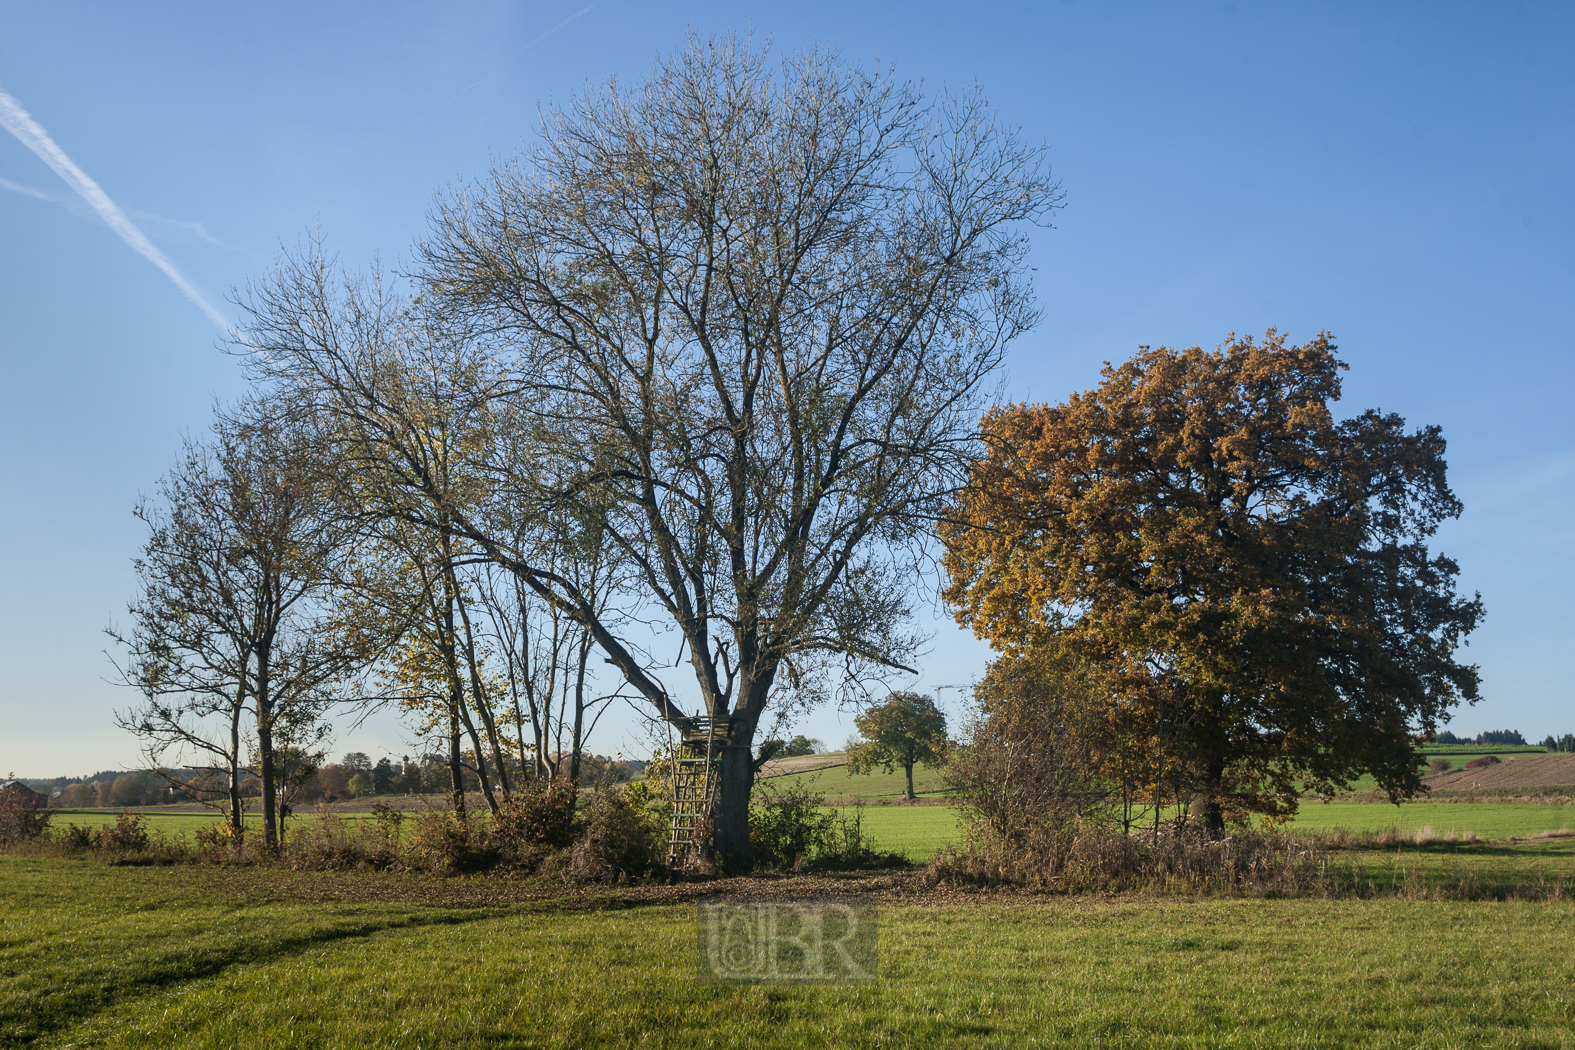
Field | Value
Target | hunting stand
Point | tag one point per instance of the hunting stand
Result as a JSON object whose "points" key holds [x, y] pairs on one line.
{"points": [[697, 762]]}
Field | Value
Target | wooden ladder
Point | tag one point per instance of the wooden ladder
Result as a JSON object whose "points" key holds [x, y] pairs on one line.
{"points": [[696, 772]]}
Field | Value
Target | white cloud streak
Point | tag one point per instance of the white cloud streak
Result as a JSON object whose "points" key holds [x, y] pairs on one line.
{"points": [[27, 130], [26, 191]]}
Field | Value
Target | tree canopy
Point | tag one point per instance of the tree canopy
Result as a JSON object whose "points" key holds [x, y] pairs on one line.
{"points": [[741, 315], [1250, 576]]}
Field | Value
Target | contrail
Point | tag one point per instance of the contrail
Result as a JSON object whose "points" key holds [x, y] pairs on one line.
{"points": [[582, 11], [26, 129], [26, 191]]}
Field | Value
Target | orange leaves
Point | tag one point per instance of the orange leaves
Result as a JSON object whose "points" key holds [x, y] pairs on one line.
{"points": [[1202, 528]]}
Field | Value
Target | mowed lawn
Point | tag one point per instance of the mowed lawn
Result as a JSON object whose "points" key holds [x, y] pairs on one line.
{"points": [[137, 957]]}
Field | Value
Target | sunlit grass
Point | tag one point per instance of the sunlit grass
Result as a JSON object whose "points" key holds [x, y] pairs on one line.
{"points": [[1493, 820], [118, 957]]}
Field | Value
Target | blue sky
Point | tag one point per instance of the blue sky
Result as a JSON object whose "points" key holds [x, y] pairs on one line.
{"points": [[1398, 174]]}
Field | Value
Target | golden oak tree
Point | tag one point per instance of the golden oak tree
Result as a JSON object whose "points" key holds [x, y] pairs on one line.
{"points": [[1249, 576]]}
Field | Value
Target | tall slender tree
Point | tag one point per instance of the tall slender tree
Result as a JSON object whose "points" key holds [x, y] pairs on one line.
{"points": [[234, 614]]}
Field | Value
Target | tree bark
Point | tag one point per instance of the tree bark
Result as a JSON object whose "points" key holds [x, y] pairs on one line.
{"points": [[1213, 810], [269, 794], [908, 769], [456, 770], [237, 817], [730, 815]]}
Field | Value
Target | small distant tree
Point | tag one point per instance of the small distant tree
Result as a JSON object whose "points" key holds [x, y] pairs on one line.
{"points": [[802, 745], [334, 781], [906, 729], [409, 780], [76, 796], [359, 784], [131, 789], [383, 777]]}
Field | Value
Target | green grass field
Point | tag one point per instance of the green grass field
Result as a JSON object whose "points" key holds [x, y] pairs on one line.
{"points": [[916, 832], [839, 783], [121, 957], [1492, 820]]}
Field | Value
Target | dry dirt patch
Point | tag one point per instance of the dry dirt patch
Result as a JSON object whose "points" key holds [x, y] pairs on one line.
{"points": [[781, 767], [1539, 771]]}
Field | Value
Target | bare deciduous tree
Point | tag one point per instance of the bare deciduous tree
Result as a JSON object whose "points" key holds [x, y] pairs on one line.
{"points": [[745, 310], [232, 616]]}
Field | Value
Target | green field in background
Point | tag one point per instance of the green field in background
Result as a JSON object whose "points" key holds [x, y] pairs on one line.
{"points": [[915, 832], [837, 782], [1493, 820]]}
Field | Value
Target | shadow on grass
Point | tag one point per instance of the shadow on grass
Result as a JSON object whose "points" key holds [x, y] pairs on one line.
{"points": [[62, 1000]]}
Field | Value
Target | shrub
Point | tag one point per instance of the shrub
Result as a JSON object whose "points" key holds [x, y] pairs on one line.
{"points": [[622, 838], [22, 814], [1439, 765], [847, 847], [78, 839], [788, 826], [448, 842], [1483, 762], [332, 843], [128, 834], [540, 813], [219, 839], [1182, 857]]}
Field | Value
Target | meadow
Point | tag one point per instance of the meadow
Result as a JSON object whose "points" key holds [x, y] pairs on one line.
{"points": [[1490, 820], [103, 956]]}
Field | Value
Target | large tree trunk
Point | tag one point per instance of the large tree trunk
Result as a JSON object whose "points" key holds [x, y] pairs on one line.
{"points": [[1213, 808], [908, 769], [730, 816], [577, 742], [237, 817]]}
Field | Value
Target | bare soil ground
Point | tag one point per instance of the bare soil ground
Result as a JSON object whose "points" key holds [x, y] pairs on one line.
{"points": [[781, 767], [1536, 771]]}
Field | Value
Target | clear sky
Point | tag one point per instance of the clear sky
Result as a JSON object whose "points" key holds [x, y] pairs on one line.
{"points": [[1399, 174]]}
